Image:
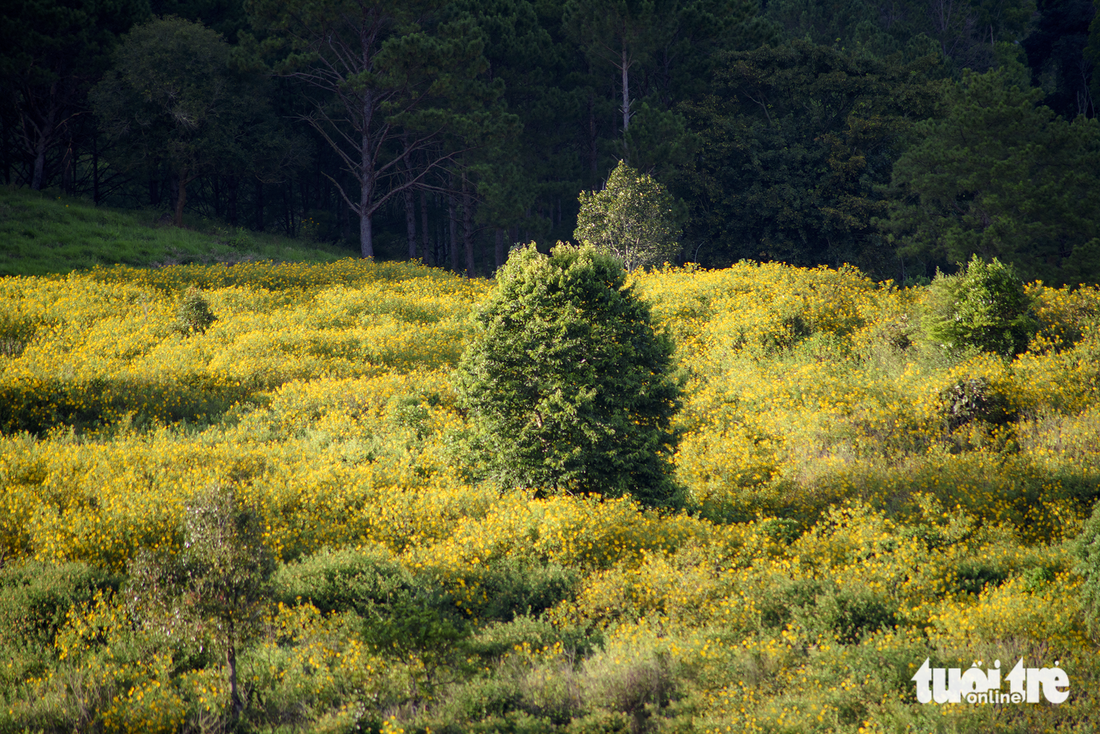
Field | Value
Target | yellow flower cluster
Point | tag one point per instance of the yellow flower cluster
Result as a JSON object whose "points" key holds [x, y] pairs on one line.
{"points": [[857, 502]]}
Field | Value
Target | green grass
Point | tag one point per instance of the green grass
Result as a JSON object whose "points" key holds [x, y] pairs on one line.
{"points": [[43, 233]]}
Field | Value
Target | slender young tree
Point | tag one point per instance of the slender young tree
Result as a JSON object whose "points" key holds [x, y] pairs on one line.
{"points": [[632, 218]]}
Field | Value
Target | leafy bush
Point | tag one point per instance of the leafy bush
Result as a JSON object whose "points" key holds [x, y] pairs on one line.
{"points": [[1088, 562], [984, 307], [975, 399], [194, 314], [35, 598], [567, 382], [343, 580], [631, 218]]}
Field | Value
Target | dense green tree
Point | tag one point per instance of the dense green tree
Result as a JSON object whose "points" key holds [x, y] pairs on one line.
{"points": [[632, 218], [51, 53], [175, 100], [567, 383], [795, 144], [1002, 176]]}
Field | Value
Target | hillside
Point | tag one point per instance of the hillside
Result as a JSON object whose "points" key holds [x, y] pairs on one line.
{"points": [[859, 501], [43, 234]]}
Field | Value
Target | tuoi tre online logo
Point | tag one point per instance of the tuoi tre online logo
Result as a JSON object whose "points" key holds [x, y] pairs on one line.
{"points": [[1026, 685]]}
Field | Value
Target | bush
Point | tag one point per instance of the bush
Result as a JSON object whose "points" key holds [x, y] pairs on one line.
{"points": [[984, 308], [194, 314], [631, 218], [343, 580], [35, 599], [569, 387], [1088, 563], [975, 399]]}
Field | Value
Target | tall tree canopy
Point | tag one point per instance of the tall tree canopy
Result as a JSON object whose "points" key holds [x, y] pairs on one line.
{"points": [[51, 53], [388, 88], [174, 100], [796, 140], [1002, 176]]}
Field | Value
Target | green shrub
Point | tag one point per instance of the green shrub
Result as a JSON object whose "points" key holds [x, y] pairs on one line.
{"points": [[513, 587], [194, 314], [848, 614], [1087, 548], [36, 596], [569, 386], [975, 399], [984, 307], [343, 580]]}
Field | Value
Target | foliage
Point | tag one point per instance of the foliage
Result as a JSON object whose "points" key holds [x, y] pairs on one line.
{"points": [[842, 528], [1001, 176], [1088, 558], [796, 143], [216, 585], [984, 307], [568, 385], [632, 218], [174, 100], [36, 597], [194, 315]]}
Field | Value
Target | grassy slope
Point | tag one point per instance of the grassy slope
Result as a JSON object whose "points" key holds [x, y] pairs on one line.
{"points": [[41, 234]]}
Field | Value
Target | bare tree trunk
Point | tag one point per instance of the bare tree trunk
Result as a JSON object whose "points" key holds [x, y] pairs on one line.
{"points": [[231, 185], [95, 170], [499, 252], [410, 222], [593, 152], [231, 665], [181, 197], [626, 89], [468, 226], [39, 165], [424, 245], [259, 205], [366, 182], [452, 213]]}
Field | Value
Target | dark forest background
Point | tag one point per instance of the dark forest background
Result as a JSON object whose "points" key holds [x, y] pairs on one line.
{"points": [[896, 135]]}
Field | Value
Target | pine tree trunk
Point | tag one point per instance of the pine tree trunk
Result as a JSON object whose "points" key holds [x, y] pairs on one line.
{"points": [[410, 222], [181, 197], [468, 226], [425, 247], [452, 213]]}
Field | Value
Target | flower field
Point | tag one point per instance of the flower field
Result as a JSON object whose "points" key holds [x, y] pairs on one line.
{"points": [[857, 501]]}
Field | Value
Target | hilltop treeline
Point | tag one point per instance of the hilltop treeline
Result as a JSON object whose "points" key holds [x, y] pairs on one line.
{"points": [[898, 136]]}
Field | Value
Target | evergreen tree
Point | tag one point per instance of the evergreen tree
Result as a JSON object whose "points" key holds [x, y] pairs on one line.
{"points": [[568, 386], [174, 100], [1001, 176], [983, 307]]}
